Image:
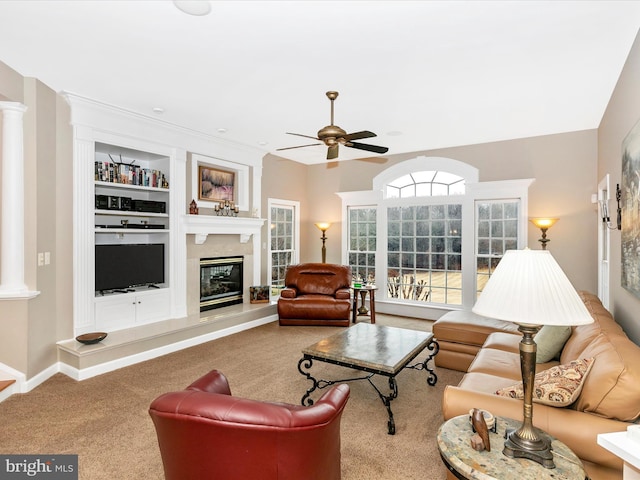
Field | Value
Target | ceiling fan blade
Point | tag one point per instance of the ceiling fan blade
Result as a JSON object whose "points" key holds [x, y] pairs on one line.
{"points": [[368, 148], [299, 146], [358, 135], [300, 135], [332, 152]]}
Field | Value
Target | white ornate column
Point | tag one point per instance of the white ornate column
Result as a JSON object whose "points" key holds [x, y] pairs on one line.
{"points": [[12, 255]]}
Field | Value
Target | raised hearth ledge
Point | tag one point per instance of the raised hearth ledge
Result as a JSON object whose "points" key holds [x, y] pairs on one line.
{"points": [[129, 346], [203, 225]]}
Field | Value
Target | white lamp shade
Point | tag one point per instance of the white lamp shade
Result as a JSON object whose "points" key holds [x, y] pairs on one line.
{"points": [[529, 287]]}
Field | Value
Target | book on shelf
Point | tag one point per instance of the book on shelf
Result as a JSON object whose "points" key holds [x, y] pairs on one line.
{"points": [[129, 175]]}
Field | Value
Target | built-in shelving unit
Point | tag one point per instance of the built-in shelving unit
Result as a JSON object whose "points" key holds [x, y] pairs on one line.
{"points": [[125, 191], [132, 207]]}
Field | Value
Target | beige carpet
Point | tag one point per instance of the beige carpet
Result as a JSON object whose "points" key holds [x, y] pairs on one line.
{"points": [[105, 421]]}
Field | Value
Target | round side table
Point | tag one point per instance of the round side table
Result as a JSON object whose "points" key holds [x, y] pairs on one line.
{"points": [[362, 311], [466, 463]]}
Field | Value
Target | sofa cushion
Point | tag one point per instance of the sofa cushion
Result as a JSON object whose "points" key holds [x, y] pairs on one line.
{"points": [[466, 327], [497, 363], [582, 335], [507, 342], [549, 340], [612, 389], [483, 382], [558, 387]]}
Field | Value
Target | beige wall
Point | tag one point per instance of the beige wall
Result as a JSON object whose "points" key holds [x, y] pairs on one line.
{"points": [[564, 168], [29, 329], [622, 113], [285, 180]]}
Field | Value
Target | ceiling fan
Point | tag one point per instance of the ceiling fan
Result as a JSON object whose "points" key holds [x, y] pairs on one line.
{"points": [[333, 136]]}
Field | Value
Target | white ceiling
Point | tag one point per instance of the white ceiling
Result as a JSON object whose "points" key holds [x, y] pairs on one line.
{"points": [[421, 74]]}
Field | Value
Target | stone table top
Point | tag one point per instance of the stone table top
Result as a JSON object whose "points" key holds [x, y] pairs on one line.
{"points": [[454, 444], [371, 347]]}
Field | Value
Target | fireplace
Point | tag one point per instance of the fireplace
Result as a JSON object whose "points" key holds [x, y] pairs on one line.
{"points": [[220, 282]]}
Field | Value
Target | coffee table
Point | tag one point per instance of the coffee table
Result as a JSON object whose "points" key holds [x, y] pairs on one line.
{"points": [[375, 349]]}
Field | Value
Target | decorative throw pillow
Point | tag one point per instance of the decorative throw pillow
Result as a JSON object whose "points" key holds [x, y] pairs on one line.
{"points": [[550, 340], [557, 387]]}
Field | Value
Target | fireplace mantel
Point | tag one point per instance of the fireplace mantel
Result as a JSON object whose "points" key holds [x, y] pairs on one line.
{"points": [[203, 225]]}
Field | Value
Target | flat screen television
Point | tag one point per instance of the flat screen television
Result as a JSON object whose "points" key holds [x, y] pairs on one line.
{"points": [[125, 266]]}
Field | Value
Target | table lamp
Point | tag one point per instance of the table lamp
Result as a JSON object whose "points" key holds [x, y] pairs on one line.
{"points": [[530, 289], [323, 226]]}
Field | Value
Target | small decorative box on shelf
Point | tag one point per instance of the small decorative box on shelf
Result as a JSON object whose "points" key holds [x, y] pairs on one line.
{"points": [[259, 294]]}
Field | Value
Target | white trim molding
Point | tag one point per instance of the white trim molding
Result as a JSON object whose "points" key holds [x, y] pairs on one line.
{"points": [[12, 281]]}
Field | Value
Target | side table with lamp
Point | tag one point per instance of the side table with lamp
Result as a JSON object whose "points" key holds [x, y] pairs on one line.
{"points": [[529, 288], [464, 462]]}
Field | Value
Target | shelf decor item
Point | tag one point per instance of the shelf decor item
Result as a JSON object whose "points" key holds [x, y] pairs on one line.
{"points": [[193, 208], [259, 294], [91, 338], [226, 209]]}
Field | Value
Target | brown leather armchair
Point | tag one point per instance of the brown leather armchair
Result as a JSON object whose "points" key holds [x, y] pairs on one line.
{"points": [[316, 294], [204, 433]]}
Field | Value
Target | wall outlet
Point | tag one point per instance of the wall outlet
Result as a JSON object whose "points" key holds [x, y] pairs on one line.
{"points": [[40, 259], [47, 258]]}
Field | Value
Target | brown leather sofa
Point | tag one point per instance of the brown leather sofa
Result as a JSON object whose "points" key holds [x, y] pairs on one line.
{"points": [[205, 433], [609, 400], [316, 294]]}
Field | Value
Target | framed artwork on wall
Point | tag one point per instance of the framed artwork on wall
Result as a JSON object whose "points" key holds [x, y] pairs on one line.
{"points": [[214, 180], [630, 248], [216, 185]]}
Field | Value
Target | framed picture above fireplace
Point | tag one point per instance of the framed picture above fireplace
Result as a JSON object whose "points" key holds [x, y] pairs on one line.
{"points": [[216, 185], [214, 180]]}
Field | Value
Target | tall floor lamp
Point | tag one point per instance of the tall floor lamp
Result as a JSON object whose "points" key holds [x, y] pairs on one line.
{"points": [[323, 226], [544, 224], [530, 289]]}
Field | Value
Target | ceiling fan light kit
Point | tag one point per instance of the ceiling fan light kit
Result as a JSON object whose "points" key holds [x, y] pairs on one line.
{"points": [[333, 136]]}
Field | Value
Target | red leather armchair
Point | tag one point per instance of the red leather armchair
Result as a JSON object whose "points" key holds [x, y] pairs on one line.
{"points": [[316, 294], [204, 433]]}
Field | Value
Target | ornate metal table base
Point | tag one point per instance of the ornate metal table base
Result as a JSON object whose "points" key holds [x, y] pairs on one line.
{"points": [[306, 362]]}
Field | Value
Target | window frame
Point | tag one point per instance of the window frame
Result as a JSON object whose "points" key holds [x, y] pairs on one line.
{"points": [[474, 191], [349, 251], [295, 255]]}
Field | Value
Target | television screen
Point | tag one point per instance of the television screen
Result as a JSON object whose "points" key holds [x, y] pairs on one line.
{"points": [[129, 265]]}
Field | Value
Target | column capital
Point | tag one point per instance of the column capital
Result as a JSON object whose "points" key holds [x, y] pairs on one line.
{"points": [[13, 106]]}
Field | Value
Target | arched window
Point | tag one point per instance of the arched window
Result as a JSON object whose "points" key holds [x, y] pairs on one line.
{"points": [[425, 184], [438, 232]]}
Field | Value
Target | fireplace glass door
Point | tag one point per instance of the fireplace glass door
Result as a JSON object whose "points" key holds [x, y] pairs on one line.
{"points": [[220, 282]]}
